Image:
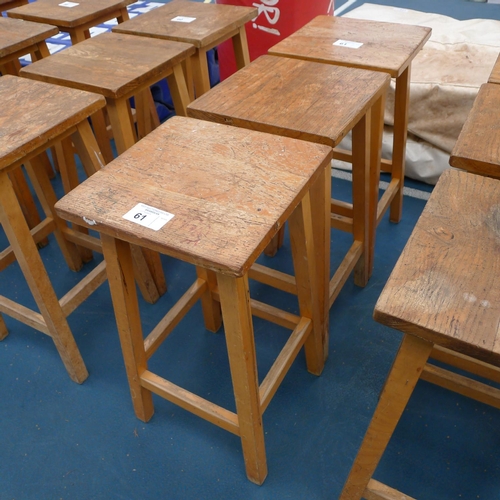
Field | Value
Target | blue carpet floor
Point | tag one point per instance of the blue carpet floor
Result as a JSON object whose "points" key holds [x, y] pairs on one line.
{"points": [[61, 440]]}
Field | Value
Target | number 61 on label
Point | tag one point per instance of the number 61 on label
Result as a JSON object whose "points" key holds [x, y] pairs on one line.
{"points": [[150, 217]]}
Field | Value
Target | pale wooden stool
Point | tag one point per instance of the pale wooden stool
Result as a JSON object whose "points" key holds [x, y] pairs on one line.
{"points": [[372, 45], [49, 114], [118, 67], [478, 146], [228, 197], [318, 103], [205, 25], [18, 38], [495, 72], [77, 18], [443, 308]]}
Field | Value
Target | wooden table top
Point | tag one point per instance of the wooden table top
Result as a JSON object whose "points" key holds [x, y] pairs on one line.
{"points": [[211, 22], [32, 113], [388, 47], [17, 35], [111, 64], [75, 14], [445, 285], [495, 73], [478, 146], [301, 99], [229, 189]]}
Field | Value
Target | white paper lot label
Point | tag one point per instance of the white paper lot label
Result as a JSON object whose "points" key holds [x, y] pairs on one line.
{"points": [[68, 4], [348, 44], [183, 19], [147, 216]]}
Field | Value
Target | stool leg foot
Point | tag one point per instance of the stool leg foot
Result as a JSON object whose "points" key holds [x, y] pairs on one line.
{"points": [[235, 303], [211, 308], [120, 270], [408, 365]]}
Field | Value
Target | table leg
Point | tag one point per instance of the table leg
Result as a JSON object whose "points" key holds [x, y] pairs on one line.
{"points": [[237, 316], [31, 264], [410, 360]]}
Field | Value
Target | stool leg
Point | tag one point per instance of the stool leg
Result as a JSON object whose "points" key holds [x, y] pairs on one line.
{"points": [[31, 264], [120, 272], [401, 110], [24, 197], [200, 72], [240, 46], [211, 308], [123, 16], [178, 90], [405, 372], [145, 113], [360, 195], [101, 133], [121, 124], [3, 328], [235, 303]]}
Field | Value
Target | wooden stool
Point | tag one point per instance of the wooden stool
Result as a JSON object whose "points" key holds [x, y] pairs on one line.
{"points": [[10, 4], [118, 67], [443, 295], [318, 103], [75, 18], [205, 25], [495, 73], [18, 38], [373, 45], [228, 197], [48, 115], [478, 146]]}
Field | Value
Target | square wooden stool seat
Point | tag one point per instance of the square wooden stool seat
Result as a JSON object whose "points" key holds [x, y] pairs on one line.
{"points": [[216, 206], [495, 72], [75, 18], [372, 45], [205, 25], [10, 4], [48, 114], [478, 146], [18, 38], [444, 295], [118, 67], [318, 103]]}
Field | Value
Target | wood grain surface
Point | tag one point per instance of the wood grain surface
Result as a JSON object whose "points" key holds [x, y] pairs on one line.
{"points": [[495, 73]]}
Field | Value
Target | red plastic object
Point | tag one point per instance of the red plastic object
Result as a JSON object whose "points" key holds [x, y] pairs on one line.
{"points": [[276, 20]]}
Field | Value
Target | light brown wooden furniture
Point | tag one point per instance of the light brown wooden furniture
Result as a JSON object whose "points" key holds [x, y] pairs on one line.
{"points": [[495, 73], [10, 4], [228, 197], [118, 67], [372, 45], [318, 103], [478, 146], [444, 296], [49, 114], [205, 25], [18, 38], [75, 18]]}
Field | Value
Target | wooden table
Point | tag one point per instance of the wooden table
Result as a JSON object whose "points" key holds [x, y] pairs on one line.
{"points": [[118, 67], [47, 115], [318, 103], [495, 73], [478, 146], [76, 18], [205, 25], [373, 45], [444, 295], [228, 197]]}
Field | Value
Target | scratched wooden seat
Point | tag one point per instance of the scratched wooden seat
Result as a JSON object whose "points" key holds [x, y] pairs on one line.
{"points": [[495, 72], [372, 45], [18, 38], [228, 196], [443, 293], [75, 18], [205, 25], [318, 103], [478, 146], [118, 67]]}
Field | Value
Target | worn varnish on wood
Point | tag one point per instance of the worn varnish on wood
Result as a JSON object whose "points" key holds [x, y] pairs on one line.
{"points": [[209, 25], [478, 146], [75, 20], [379, 46], [318, 103], [228, 196], [443, 293]]}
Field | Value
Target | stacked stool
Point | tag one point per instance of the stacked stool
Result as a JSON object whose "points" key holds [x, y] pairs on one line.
{"points": [[201, 24], [372, 45], [216, 206], [318, 103]]}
